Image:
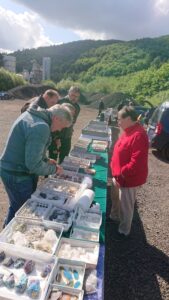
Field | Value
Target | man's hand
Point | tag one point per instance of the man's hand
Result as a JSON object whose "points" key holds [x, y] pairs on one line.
{"points": [[58, 143], [59, 170], [52, 161], [115, 182]]}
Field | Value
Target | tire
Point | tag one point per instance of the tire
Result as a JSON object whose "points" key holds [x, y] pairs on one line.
{"points": [[165, 152]]}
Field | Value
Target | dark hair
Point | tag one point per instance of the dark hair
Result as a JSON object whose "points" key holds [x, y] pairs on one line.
{"points": [[121, 105], [128, 111], [51, 93], [74, 89]]}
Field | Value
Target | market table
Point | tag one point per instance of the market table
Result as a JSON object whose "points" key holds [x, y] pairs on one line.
{"points": [[100, 188]]}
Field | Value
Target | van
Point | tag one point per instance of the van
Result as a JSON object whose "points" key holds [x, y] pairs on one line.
{"points": [[158, 129]]}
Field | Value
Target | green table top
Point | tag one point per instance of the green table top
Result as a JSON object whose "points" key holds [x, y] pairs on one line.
{"points": [[100, 186]]}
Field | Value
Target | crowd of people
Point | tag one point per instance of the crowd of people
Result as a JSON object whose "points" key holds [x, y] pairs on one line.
{"points": [[43, 130], [40, 138]]}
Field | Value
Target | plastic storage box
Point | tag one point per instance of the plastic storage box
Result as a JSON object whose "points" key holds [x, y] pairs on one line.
{"points": [[84, 234], [53, 213], [83, 251], [39, 264], [73, 281], [38, 237]]}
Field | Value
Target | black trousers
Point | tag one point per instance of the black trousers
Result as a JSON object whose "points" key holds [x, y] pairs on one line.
{"points": [[65, 148], [53, 151]]}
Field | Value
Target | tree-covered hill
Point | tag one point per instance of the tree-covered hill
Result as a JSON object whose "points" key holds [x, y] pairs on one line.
{"points": [[139, 68], [62, 56], [122, 58]]}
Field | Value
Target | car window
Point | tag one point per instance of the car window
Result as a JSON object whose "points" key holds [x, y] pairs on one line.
{"points": [[156, 116], [165, 119]]}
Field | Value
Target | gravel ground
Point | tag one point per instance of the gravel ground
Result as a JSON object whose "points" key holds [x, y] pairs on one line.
{"points": [[136, 269], [139, 268]]}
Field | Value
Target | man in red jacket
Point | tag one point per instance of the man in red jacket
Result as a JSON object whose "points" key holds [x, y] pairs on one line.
{"points": [[129, 166]]}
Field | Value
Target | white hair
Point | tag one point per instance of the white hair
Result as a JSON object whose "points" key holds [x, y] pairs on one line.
{"points": [[61, 111]]}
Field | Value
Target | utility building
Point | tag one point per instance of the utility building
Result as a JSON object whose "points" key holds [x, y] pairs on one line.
{"points": [[46, 68], [9, 63]]}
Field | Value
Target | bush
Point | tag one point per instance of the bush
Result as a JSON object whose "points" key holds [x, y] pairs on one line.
{"points": [[9, 80], [50, 83], [64, 85]]}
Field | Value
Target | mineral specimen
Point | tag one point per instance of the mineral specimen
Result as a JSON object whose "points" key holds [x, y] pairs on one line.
{"points": [[19, 263], [8, 262], [33, 289], [2, 256], [1, 279], [21, 285], [47, 269], [10, 281], [29, 266]]}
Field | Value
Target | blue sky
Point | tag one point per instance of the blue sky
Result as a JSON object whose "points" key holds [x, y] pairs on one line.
{"points": [[34, 23], [56, 34]]}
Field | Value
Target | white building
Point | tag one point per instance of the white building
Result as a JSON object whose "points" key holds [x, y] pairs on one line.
{"points": [[36, 73], [9, 63], [46, 68]]}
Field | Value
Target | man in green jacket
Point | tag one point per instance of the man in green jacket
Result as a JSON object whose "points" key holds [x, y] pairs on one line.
{"points": [[24, 157], [66, 136]]}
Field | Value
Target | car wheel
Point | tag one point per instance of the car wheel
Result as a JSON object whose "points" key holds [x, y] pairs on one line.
{"points": [[165, 152]]}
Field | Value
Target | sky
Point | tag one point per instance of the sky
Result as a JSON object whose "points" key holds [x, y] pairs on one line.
{"points": [[34, 23]]}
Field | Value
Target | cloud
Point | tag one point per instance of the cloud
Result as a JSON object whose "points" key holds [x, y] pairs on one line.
{"points": [[91, 35], [119, 19], [18, 31], [162, 7]]}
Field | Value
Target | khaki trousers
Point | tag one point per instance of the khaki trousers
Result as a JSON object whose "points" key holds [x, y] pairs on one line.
{"points": [[123, 200]]}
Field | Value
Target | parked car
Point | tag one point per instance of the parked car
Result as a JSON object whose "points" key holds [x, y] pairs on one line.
{"points": [[4, 96], [158, 129], [148, 114], [141, 110]]}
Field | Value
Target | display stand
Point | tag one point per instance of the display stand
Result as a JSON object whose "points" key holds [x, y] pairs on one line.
{"points": [[100, 188]]}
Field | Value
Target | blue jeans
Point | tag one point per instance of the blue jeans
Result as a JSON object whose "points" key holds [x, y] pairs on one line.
{"points": [[19, 189]]}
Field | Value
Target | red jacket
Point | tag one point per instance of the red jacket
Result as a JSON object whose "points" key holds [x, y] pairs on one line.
{"points": [[129, 163]]}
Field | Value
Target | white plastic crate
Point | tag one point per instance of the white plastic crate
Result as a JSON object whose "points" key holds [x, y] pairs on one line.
{"points": [[65, 193], [73, 265], [65, 291], [95, 132], [23, 233], [48, 215], [83, 163], [75, 177], [34, 209], [85, 234], [99, 145], [63, 186], [87, 219], [84, 141], [82, 251], [83, 155], [40, 262], [68, 166], [56, 215]]}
